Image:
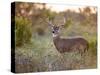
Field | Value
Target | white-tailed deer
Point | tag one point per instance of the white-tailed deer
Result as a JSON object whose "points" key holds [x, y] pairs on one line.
{"points": [[67, 44]]}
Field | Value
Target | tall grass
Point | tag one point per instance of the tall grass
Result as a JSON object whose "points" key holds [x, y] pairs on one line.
{"points": [[23, 31]]}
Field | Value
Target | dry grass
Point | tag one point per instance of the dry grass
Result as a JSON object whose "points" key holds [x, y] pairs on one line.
{"points": [[41, 56]]}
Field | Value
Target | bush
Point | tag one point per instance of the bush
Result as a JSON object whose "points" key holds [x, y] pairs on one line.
{"points": [[23, 31], [93, 47]]}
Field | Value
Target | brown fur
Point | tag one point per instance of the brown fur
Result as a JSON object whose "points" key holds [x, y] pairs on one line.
{"points": [[69, 45]]}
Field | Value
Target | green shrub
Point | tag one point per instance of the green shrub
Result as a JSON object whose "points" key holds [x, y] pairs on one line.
{"points": [[23, 31], [93, 47], [68, 23]]}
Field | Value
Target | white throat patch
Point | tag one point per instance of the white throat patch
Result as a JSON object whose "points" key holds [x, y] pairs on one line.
{"points": [[54, 35]]}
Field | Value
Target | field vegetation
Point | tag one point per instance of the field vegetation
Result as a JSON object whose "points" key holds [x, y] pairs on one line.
{"points": [[35, 51]]}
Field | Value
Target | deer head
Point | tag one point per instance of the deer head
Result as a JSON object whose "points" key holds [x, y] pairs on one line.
{"points": [[55, 29]]}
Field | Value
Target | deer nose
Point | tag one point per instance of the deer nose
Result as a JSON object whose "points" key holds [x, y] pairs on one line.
{"points": [[53, 32]]}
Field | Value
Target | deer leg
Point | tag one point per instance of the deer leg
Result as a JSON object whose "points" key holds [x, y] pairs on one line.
{"points": [[83, 58], [85, 50]]}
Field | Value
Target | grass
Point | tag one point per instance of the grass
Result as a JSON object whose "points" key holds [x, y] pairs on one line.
{"points": [[41, 55]]}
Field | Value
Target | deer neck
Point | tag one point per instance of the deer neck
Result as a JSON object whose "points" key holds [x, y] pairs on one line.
{"points": [[56, 41], [56, 37]]}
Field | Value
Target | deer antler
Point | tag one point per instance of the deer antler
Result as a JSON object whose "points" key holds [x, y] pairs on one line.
{"points": [[49, 22], [64, 20]]}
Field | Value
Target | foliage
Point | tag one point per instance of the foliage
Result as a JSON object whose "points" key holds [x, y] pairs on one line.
{"points": [[23, 31], [68, 23], [93, 47], [41, 54], [51, 15]]}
